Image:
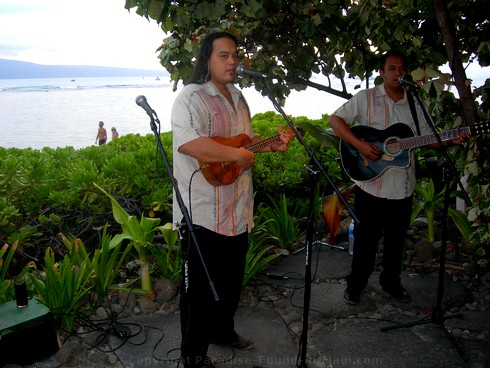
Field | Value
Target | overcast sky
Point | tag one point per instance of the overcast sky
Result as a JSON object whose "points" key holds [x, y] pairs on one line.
{"points": [[91, 32], [78, 32]]}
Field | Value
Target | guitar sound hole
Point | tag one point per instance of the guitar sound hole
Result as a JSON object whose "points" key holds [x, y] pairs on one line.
{"points": [[392, 146]]}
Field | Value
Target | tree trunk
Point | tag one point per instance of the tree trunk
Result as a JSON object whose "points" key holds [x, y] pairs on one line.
{"points": [[444, 21]]}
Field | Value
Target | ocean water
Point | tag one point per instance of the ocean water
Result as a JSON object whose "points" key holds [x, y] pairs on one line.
{"points": [[59, 112]]}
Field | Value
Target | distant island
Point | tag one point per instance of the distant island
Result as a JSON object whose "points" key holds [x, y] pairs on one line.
{"points": [[12, 69]]}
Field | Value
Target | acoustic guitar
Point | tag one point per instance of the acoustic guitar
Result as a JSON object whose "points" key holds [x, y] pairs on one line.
{"points": [[395, 142], [224, 173]]}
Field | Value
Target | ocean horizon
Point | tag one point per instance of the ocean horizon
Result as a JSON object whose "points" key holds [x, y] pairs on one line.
{"points": [[61, 112]]}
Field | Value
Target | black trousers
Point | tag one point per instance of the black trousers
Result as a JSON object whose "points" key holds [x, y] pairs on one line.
{"points": [[204, 320], [378, 217]]}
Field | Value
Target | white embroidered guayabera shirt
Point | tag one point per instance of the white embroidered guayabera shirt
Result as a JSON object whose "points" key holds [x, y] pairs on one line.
{"points": [[200, 110], [373, 107]]}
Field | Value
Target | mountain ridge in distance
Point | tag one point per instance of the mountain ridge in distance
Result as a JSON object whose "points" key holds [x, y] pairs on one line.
{"points": [[14, 69]]}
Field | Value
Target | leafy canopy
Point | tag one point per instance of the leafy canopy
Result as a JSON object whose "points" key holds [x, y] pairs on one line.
{"points": [[339, 39]]}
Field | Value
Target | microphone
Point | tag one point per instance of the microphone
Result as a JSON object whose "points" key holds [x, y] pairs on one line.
{"points": [[240, 70], [141, 101], [407, 81]]}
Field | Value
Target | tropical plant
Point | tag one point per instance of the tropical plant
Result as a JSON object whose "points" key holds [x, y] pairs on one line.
{"points": [[324, 135], [104, 264], [462, 223], [476, 165], [6, 284], [8, 216], [328, 148], [430, 201], [168, 258], [258, 256], [69, 203], [62, 285], [281, 222], [140, 235], [6, 290]]}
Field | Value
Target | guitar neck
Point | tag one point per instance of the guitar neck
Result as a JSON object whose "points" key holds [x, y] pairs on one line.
{"points": [[425, 140], [254, 147]]}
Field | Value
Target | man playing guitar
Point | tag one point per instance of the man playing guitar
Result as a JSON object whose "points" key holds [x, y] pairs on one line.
{"points": [[383, 204]]}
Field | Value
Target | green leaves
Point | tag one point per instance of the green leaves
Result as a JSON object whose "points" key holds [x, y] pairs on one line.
{"points": [[430, 201], [6, 284], [251, 7], [257, 258], [461, 222], [210, 11], [140, 234], [104, 264], [6, 290], [169, 234], [281, 222], [62, 286], [339, 39], [325, 137], [168, 258]]}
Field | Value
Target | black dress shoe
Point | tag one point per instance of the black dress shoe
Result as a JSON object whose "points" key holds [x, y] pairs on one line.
{"points": [[240, 343], [398, 293], [352, 296]]}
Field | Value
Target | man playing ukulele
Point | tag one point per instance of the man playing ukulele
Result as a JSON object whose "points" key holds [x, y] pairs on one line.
{"points": [[211, 106]]}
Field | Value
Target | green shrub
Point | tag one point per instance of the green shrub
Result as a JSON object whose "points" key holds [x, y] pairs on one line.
{"points": [[61, 285], [47, 192], [258, 256], [281, 223], [168, 258]]}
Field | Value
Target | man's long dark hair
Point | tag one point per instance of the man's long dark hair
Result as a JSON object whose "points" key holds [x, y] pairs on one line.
{"points": [[201, 71]]}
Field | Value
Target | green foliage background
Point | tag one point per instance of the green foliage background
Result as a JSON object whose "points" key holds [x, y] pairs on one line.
{"points": [[47, 192]]}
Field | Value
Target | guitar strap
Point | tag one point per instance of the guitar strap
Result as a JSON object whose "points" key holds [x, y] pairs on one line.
{"points": [[411, 103]]}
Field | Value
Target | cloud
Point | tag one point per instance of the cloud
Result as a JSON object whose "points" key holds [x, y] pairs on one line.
{"points": [[89, 32]]}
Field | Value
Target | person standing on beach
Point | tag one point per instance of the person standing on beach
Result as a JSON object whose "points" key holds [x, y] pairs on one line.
{"points": [[101, 134], [115, 133], [211, 107]]}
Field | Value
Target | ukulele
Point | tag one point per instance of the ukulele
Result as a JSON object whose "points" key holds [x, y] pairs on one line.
{"points": [[224, 173]]}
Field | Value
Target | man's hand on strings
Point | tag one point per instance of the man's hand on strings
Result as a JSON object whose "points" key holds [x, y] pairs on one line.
{"points": [[286, 137]]}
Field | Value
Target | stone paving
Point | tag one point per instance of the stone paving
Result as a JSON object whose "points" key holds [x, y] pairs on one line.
{"points": [[339, 335]]}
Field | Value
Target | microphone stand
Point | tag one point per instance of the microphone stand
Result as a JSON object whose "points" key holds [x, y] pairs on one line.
{"points": [[153, 120], [436, 316], [310, 226]]}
